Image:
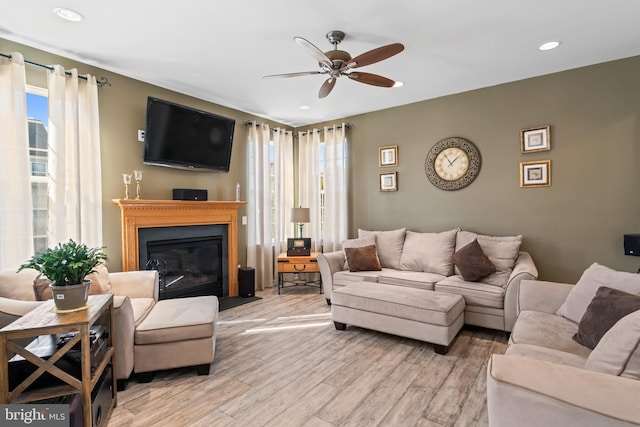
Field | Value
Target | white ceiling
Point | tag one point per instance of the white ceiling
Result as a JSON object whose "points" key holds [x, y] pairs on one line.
{"points": [[219, 50]]}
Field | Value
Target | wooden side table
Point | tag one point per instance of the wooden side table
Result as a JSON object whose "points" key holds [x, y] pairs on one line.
{"points": [[45, 320], [298, 264]]}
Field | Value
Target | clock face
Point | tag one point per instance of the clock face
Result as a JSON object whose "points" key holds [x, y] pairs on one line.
{"points": [[452, 163]]}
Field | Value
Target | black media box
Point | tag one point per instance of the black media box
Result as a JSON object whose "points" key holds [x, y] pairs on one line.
{"points": [[632, 244], [189, 194]]}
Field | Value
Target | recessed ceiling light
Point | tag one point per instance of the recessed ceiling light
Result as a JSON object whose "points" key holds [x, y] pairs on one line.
{"points": [[549, 46], [398, 84], [304, 107], [68, 14]]}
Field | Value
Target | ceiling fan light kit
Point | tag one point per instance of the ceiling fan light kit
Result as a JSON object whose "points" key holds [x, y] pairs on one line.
{"points": [[337, 63]]}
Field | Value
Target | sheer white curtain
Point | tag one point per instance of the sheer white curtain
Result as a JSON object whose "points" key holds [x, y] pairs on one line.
{"points": [[75, 186], [330, 160], [270, 198], [309, 177], [16, 227]]}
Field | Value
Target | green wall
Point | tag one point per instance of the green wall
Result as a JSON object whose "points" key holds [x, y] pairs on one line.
{"points": [[593, 201], [594, 117]]}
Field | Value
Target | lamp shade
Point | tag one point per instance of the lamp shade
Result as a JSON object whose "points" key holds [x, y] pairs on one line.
{"points": [[300, 215]]}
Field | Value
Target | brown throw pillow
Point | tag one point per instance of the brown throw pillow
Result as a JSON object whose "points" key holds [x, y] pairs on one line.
{"points": [[364, 258], [472, 262], [606, 308]]}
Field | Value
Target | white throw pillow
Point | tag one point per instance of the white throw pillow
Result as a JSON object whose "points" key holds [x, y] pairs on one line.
{"points": [[429, 252], [503, 251], [356, 243], [389, 245], [593, 278], [618, 352]]}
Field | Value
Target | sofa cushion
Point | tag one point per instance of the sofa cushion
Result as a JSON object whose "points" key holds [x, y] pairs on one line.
{"points": [[364, 258], [604, 311], [546, 354], [429, 252], [593, 278], [141, 308], [618, 352], [346, 277], [411, 279], [389, 244], [472, 262], [474, 293], [503, 252], [547, 330], [356, 243], [18, 285]]}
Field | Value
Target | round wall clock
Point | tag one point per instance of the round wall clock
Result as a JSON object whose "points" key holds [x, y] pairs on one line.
{"points": [[452, 163]]}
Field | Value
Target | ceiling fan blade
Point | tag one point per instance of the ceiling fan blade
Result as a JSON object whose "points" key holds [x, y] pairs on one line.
{"points": [[375, 55], [302, 73], [371, 79], [313, 51], [327, 87]]}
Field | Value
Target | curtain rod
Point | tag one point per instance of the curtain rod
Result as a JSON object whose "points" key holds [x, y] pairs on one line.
{"points": [[346, 126], [250, 122], [102, 81]]}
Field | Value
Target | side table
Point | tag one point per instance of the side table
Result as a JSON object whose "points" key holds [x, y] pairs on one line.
{"points": [[298, 264]]}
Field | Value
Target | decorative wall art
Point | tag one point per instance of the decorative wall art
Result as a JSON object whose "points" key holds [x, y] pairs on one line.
{"points": [[388, 156], [535, 139], [535, 174], [452, 163], [388, 181]]}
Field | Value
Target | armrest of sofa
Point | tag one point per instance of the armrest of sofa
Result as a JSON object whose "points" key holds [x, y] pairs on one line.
{"points": [[543, 296], [12, 309], [124, 329], [135, 284], [527, 392], [524, 269], [329, 263]]}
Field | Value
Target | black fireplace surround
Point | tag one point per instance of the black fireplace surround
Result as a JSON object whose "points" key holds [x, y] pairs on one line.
{"points": [[191, 260]]}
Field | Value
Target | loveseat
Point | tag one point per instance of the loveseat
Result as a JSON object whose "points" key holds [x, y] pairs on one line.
{"points": [[426, 261], [573, 356], [149, 334]]}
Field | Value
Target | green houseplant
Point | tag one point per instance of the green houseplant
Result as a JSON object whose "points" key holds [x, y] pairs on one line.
{"points": [[67, 265]]}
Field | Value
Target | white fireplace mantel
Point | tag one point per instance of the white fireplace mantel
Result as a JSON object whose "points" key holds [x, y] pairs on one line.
{"points": [[137, 214]]}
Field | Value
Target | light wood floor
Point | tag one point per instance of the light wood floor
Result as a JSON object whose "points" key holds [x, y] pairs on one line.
{"points": [[280, 362]]}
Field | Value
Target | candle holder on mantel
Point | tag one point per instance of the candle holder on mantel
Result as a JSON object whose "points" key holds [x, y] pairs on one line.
{"points": [[126, 177], [138, 177]]}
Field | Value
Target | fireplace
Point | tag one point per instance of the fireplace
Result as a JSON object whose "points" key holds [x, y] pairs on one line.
{"points": [[139, 217], [191, 260]]}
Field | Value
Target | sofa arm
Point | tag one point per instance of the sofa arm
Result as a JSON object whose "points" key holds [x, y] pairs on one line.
{"points": [[529, 392], [329, 263], [135, 284], [124, 329], [12, 309], [542, 296], [525, 269]]}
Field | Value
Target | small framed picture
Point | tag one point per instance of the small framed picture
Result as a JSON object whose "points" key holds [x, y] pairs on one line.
{"points": [[535, 174], [389, 181], [388, 156], [535, 139]]}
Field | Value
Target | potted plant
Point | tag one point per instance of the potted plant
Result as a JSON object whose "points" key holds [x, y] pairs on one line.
{"points": [[67, 265]]}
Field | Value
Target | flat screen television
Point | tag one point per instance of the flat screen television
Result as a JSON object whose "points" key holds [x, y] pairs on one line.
{"points": [[186, 138]]}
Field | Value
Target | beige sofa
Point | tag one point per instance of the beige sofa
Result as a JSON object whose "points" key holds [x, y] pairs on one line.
{"points": [[149, 334], [425, 261], [546, 378]]}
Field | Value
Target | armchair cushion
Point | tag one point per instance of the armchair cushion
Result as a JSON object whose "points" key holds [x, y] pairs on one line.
{"points": [[593, 278], [604, 311]]}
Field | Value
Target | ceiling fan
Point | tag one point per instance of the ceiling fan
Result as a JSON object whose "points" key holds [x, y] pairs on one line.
{"points": [[338, 63]]}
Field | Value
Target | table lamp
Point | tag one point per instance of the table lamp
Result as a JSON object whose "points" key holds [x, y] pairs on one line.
{"points": [[301, 216]]}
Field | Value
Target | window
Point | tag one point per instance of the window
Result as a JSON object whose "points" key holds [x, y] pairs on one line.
{"points": [[38, 112]]}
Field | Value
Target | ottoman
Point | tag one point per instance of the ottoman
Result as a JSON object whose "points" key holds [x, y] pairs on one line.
{"points": [[431, 316], [176, 333]]}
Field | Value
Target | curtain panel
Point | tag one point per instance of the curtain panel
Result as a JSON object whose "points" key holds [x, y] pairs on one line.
{"points": [[16, 227], [74, 166]]}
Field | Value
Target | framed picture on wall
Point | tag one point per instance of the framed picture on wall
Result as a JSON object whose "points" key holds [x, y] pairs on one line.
{"points": [[535, 174], [535, 139], [388, 156], [388, 181]]}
